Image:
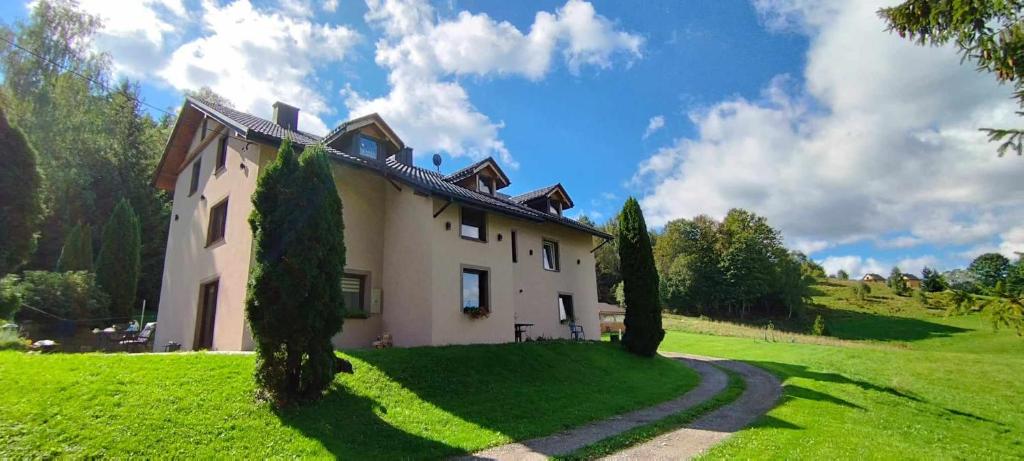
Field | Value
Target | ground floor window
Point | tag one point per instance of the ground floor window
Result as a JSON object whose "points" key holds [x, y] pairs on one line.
{"points": [[207, 315], [353, 290], [565, 312], [474, 290]]}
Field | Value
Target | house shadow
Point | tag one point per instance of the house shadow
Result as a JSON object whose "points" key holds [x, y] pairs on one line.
{"points": [[349, 426]]}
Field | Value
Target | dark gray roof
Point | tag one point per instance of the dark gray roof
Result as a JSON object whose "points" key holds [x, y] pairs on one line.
{"points": [[526, 197], [469, 170], [432, 182]]}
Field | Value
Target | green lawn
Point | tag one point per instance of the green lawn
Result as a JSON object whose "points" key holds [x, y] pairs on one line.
{"points": [[903, 382], [400, 403]]}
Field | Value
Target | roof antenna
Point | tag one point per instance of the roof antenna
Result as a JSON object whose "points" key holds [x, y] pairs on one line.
{"points": [[437, 162]]}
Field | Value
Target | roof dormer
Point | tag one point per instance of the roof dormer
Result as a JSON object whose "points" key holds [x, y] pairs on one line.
{"points": [[368, 137], [552, 199], [485, 177]]}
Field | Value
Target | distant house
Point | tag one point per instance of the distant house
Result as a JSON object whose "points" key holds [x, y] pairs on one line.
{"points": [[873, 278], [912, 281], [612, 317]]}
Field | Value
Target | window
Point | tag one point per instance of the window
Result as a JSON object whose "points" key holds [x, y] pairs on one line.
{"points": [[194, 186], [206, 316], [368, 146], [218, 223], [555, 207], [515, 248], [222, 153], [565, 312], [550, 255], [484, 185], [473, 225], [353, 290], [474, 289]]}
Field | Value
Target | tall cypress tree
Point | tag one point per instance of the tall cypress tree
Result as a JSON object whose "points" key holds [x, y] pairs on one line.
{"points": [[294, 304], [640, 283], [117, 266], [21, 208], [76, 254]]}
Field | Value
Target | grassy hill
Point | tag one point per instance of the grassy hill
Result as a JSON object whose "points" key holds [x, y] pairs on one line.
{"points": [[898, 380], [400, 403]]}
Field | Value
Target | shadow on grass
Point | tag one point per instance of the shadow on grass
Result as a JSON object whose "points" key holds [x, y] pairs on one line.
{"points": [[797, 392], [350, 427], [848, 324], [787, 370], [775, 423]]}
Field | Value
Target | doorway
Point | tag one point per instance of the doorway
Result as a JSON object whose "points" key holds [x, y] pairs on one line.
{"points": [[207, 315]]}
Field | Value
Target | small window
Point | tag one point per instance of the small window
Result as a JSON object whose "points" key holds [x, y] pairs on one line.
{"points": [[368, 146], [218, 223], [515, 247], [353, 290], [555, 207], [550, 254], [473, 224], [484, 185], [222, 153], [474, 289], [194, 185], [565, 311]]}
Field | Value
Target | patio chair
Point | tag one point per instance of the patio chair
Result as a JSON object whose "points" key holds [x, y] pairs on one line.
{"points": [[141, 341], [576, 332]]}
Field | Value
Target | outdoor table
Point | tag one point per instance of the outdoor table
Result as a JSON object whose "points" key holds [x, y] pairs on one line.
{"points": [[520, 329]]}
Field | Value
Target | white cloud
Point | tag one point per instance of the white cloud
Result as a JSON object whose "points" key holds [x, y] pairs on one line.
{"points": [[905, 241], [654, 124], [1012, 242], [249, 55], [136, 33], [878, 142], [256, 57], [423, 52], [329, 5], [856, 266]]}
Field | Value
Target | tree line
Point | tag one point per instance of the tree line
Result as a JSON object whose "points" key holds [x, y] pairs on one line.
{"points": [[733, 268], [86, 162]]}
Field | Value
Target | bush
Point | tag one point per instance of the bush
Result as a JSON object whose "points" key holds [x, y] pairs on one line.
{"points": [[819, 328], [10, 301], [10, 341], [71, 295], [861, 291]]}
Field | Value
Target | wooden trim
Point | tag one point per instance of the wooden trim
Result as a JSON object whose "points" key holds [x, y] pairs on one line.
{"points": [[194, 152], [438, 212]]}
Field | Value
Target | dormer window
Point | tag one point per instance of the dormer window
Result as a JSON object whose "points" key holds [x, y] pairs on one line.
{"points": [[555, 207], [484, 185], [368, 147]]}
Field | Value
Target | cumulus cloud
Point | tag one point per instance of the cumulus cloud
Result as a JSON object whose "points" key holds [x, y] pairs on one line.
{"points": [[423, 53], [880, 141], [251, 56], [858, 266], [256, 57], [654, 124], [136, 33]]}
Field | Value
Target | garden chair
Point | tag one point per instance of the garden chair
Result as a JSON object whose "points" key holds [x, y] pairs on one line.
{"points": [[576, 332], [141, 341]]}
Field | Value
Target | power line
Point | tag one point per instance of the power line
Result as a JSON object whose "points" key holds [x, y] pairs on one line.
{"points": [[80, 75]]}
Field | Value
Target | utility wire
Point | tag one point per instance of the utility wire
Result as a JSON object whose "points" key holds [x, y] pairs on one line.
{"points": [[80, 75]]}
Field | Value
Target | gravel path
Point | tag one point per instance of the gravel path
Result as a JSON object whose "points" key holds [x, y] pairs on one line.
{"points": [[712, 381], [762, 393]]}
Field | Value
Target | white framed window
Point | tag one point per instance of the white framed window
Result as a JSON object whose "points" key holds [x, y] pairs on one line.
{"points": [[549, 254], [368, 147]]}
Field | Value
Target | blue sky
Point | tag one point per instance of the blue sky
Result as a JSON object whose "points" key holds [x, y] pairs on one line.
{"points": [[861, 148]]}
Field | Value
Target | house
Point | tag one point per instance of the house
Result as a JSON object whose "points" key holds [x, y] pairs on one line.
{"points": [[426, 251], [912, 281], [613, 318], [873, 278]]}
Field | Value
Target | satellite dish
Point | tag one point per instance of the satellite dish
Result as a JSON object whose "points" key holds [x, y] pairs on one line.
{"points": [[437, 162]]}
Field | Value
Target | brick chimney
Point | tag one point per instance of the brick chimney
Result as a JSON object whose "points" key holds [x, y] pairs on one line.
{"points": [[286, 116]]}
